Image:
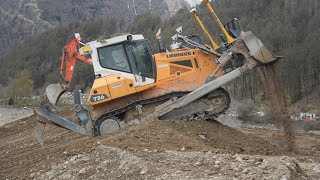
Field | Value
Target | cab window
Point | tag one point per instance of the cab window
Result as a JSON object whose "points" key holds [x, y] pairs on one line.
{"points": [[114, 57], [142, 58]]}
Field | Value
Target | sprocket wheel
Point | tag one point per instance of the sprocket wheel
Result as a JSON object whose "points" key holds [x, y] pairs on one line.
{"points": [[220, 102], [106, 126]]}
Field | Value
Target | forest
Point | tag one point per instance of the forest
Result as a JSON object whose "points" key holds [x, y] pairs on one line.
{"points": [[290, 28]]}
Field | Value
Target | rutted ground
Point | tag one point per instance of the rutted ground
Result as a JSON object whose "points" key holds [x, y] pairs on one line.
{"points": [[157, 149]]}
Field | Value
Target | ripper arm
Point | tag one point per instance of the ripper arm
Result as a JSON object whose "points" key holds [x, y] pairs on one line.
{"points": [[68, 61]]}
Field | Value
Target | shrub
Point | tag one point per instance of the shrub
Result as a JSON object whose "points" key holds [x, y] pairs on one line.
{"points": [[11, 101]]}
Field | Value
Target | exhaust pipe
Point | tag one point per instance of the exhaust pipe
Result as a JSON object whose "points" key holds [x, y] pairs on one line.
{"points": [[160, 43]]}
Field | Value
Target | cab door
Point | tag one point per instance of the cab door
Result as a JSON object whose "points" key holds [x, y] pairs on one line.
{"points": [[142, 62]]}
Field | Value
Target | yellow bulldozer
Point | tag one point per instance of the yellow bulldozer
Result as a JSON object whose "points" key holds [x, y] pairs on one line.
{"points": [[131, 83]]}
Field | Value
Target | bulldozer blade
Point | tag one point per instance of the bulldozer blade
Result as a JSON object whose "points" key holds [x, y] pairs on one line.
{"points": [[164, 112], [257, 48], [53, 93], [60, 121]]}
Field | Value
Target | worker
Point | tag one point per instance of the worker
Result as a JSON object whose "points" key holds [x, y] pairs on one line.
{"points": [[120, 61]]}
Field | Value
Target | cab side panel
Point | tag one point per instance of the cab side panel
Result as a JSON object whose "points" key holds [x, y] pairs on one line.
{"points": [[110, 87], [181, 71]]}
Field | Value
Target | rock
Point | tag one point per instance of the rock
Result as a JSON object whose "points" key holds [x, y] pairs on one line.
{"points": [[133, 122], [245, 158], [32, 175], [85, 159], [210, 173], [48, 173], [216, 167], [143, 171], [183, 149], [83, 170], [198, 163], [245, 170], [136, 122], [202, 136], [296, 170], [316, 168], [260, 159], [73, 158], [66, 176], [238, 158], [217, 162]]}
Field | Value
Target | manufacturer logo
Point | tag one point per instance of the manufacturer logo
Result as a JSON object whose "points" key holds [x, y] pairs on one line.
{"points": [[178, 54]]}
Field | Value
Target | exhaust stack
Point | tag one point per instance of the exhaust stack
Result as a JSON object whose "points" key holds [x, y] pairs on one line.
{"points": [[160, 43]]}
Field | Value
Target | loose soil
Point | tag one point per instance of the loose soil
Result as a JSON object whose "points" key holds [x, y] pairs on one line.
{"points": [[190, 135], [275, 92], [153, 142]]}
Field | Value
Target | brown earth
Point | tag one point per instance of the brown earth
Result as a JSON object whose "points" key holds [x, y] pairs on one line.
{"points": [[190, 135], [21, 156]]}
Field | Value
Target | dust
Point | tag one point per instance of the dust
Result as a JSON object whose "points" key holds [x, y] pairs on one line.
{"points": [[275, 92]]}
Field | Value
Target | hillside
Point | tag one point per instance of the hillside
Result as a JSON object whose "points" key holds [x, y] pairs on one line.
{"points": [[20, 19], [289, 28]]}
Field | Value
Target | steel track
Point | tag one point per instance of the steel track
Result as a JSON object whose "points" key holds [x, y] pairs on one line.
{"points": [[122, 109]]}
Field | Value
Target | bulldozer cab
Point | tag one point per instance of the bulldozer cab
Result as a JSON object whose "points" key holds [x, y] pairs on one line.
{"points": [[114, 57], [140, 54], [132, 58]]}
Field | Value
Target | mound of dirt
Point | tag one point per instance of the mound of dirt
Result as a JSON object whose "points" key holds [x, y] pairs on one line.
{"points": [[21, 156], [188, 136]]}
